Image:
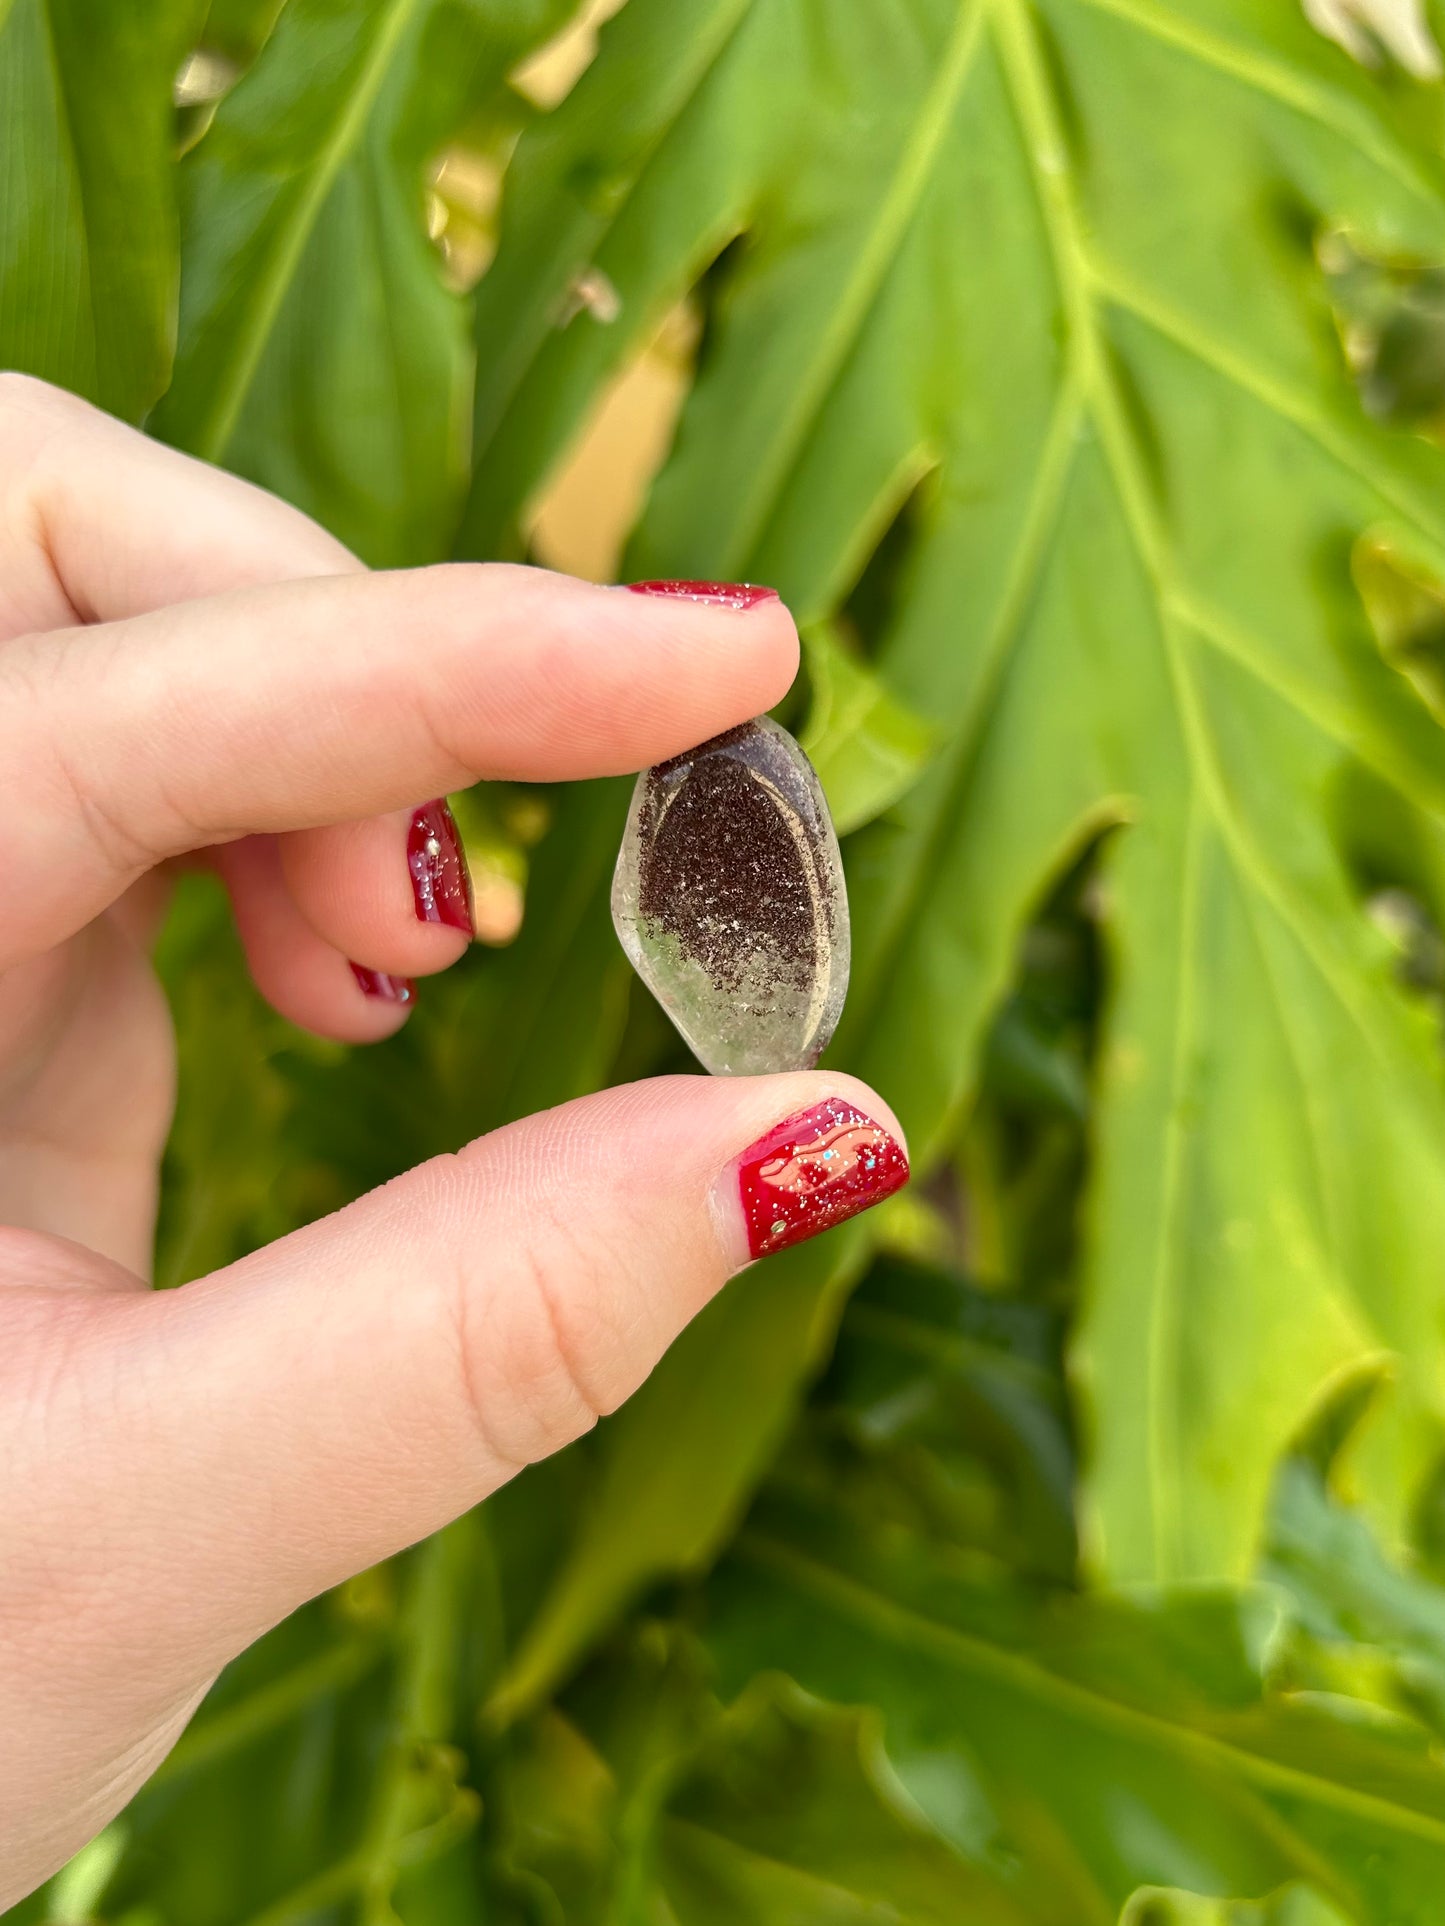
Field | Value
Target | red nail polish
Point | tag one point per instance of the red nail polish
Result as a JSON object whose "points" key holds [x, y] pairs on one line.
{"points": [[723, 595], [815, 1170], [439, 879], [386, 989]]}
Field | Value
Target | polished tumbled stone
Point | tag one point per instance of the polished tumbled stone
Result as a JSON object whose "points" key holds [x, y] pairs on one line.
{"points": [[729, 899]]}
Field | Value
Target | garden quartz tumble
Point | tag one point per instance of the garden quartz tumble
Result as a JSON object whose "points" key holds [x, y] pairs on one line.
{"points": [[730, 901]]}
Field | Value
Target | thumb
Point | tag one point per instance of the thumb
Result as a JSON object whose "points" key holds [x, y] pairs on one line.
{"points": [[209, 1458]]}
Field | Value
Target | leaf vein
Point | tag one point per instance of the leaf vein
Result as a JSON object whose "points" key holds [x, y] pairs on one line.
{"points": [[1332, 439], [1332, 721], [1261, 74], [233, 383], [60, 70], [881, 245], [902, 1625], [732, 17], [1081, 286], [1036, 524]]}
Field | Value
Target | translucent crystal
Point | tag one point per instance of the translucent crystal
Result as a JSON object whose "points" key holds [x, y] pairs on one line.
{"points": [[729, 899]]}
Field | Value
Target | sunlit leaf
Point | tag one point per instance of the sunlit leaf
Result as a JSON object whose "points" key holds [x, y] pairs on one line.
{"points": [[1293, 1906], [867, 748], [981, 238]]}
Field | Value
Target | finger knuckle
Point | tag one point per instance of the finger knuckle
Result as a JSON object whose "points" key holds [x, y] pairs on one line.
{"points": [[125, 852], [28, 394], [37, 420], [532, 1341]]}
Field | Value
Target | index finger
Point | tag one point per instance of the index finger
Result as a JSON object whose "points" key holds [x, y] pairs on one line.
{"points": [[306, 703], [102, 523]]}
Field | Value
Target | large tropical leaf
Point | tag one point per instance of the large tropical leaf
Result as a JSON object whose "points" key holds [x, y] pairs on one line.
{"points": [[1086, 1751], [1052, 273], [1175, 1760], [88, 256]]}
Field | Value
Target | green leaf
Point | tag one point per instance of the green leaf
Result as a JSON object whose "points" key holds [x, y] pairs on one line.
{"points": [[77, 1891], [238, 29], [1294, 1906], [225, 1167], [947, 1406], [1375, 1624], [1083, 1748], [867, 748], [1129, 1744], [88, 255], [648, 1801], [318, 1771], [796, 1815], [321, 352], [980, 240], [540, 1021], [676, 1464]]}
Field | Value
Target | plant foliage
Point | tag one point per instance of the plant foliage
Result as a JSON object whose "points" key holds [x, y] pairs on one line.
{"points": [[1064, 1544]]}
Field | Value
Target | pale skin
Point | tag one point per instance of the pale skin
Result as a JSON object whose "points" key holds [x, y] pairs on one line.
{"points": [[189, 669]]}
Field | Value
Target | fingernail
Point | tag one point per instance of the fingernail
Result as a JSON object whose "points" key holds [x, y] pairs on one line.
{"points": [[723, 595], [439, 878], [386, 989], [813, 1171]]}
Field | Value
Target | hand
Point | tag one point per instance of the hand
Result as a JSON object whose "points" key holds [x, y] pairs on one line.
{"points": [[188, 665]]}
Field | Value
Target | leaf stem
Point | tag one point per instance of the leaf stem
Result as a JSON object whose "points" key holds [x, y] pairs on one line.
{"points": [[241, 1724], [423, 1714]]}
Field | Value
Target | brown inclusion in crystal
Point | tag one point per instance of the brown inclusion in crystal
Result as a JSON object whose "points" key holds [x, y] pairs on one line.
{"points": [[729, 900], [720, 864]]}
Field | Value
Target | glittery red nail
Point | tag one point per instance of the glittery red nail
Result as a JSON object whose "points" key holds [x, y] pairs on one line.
{"points": [[439, 879], [813, 1171], [386, 989], [725, 595]]}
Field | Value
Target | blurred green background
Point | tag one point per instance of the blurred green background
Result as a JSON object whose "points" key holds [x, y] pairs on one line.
{"points": [[1065, 1542]]}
